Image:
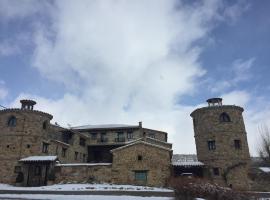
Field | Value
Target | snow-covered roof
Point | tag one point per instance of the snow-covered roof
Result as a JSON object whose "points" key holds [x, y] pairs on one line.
{"points": [[39, 159], [105, 126], [83, 164], [185, 160], [265, 169]]}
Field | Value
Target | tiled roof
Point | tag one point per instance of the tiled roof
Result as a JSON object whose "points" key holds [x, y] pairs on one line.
{"points": [[39, 159], [185, 160], [105, 126]]}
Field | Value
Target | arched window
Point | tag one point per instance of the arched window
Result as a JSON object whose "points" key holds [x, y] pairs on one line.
{"points": [[44, 125], [224, 117], [12, 121]]}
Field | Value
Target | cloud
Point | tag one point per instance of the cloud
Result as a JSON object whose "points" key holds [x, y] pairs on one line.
{"points": [[3, 90], [8, 49], [124, 62]]}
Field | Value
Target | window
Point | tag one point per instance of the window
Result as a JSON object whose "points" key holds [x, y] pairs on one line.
{"points": [[129, 135], [12, 121], [76, 155], [211, 145], [28, 146], [37, 170], [93, 136], [237, 144], [64, 151], [139, 157], [151, 135], [216, 171], [82, 141], [84, 157], [120, 137], [224, 117], [45, 147], [45, 125], [140, 175]]}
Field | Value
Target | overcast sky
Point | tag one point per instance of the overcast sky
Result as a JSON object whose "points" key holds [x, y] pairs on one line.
{"points": [[121, 61]]}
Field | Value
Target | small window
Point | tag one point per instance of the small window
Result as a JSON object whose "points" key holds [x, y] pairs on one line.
{"points": [[38, 170], [237, 144], [216, 171], [211, 145], [140, 175], [129, 135], [224, 117], [45, 125], [76, 155], [82, 141], [12, 121], [28, 146], [64, 151], [7, 146], [93, 136], [139, 157], [152, 135], [45, 147]]}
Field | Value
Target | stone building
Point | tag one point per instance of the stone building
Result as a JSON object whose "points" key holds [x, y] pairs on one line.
{"points": [[221, 143], [35, 152]]}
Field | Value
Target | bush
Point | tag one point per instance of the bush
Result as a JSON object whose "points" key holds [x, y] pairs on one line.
{"points": [[187, 188]]}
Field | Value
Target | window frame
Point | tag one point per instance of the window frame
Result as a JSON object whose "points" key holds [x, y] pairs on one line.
{"points": [[141, 175], [82, 142], [64, 152], [237, 144], [45, 147], [216, 171], [224, 117], [211, 144], [12, 121]]}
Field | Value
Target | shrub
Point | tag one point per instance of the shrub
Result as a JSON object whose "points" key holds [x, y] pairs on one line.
{"points": [[187, 188]]}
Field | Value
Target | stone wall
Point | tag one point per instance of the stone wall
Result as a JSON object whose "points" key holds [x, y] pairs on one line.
{"points": [[154, 160], [82, 173], [232, 163]]}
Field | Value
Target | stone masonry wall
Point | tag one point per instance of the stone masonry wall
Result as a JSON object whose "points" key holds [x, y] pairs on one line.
{"points": [[155, 160], [86, 173]]}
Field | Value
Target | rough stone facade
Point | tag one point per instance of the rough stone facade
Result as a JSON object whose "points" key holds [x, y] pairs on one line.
{"points": [[141, 156], [85, 173], [221, 143]]}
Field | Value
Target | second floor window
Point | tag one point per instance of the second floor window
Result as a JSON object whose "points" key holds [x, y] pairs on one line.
{"points": [[211, 145], [120, 137], [12, 121], [64, 152], [129, 135], [152, 135], [237, 144], [216, 171], [93, 136], [45, 147], [82, 141], [76, 155]]}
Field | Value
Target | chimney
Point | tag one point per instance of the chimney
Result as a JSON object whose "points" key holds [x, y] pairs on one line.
{"points": [[27, 104], [140, 124]]}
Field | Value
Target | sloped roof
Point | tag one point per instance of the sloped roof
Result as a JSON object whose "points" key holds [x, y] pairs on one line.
{"points": [[105, 126], [185, 160], [140, 142], [39, 159]]}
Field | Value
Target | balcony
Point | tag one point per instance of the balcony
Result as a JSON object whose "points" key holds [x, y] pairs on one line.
{"points": [[102, 140], [120, 139]]}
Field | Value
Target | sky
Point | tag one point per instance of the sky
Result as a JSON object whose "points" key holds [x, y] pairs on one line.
{"points": [[121, 62]]}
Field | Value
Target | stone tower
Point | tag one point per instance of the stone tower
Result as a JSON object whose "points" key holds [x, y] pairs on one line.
{"points": [[221, 143]]}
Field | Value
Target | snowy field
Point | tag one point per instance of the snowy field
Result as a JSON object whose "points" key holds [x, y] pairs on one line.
{"points": [[86, 187], [78, 197]]}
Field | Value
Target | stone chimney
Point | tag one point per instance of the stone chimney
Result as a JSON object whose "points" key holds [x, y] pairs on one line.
{"points": [[214, 102], [27, 104]]}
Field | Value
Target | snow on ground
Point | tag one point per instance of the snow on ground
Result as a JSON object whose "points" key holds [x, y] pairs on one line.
{"points": [[86, 187], [265, 169], [78, 197]]}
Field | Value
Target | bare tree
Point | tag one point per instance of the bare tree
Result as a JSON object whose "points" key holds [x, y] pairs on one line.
{"points": [[264, 144]]}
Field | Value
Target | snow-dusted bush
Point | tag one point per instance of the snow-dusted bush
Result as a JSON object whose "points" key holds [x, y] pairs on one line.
{"points": [[187, 188]]}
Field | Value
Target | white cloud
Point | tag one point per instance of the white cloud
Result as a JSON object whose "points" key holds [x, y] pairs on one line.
{"points": [[125, 61], [3, 90], [8, 48]]}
